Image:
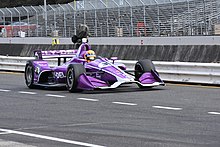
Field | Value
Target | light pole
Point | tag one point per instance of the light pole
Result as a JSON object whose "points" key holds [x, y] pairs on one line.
{"points": [[45, 15]]}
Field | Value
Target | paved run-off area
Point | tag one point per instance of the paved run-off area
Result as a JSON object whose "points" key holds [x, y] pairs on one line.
{"points": [[175, 115]]}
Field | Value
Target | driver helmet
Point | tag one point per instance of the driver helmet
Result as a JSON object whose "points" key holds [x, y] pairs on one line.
{"points": [[90, 55]]}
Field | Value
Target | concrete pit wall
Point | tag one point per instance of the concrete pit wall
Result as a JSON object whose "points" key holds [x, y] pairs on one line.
{"points": [[192, 49], [181, 53]]}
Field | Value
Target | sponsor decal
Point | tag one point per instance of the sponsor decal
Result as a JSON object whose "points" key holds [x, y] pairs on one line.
{"points": [[59, 75], [58, 52], [42, 63], [103, 64]]}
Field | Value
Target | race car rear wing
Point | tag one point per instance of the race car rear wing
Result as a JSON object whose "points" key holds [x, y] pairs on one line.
{"points": [[55, 54]]}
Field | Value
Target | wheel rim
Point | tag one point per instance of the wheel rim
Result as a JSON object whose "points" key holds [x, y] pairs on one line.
{"points": [[70, 78], [29, 75]]}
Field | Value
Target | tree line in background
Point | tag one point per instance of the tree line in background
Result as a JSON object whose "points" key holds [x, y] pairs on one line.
{"points": [[17, 3]]}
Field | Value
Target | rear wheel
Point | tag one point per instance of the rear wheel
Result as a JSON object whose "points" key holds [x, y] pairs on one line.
{"points": [[72, 76], [29, 75]]}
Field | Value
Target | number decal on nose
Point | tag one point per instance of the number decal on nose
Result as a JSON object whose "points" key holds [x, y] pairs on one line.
{"points": [[59, 75]]}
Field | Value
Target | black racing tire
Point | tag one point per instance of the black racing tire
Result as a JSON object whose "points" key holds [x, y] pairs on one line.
{"points": [[72, 76], [143, 66], [29, 75]]}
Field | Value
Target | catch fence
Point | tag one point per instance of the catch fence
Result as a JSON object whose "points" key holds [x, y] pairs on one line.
{"points": [[109, 18]]}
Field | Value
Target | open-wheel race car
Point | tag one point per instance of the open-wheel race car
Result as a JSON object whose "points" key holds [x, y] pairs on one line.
{"points": [[85, 71]]}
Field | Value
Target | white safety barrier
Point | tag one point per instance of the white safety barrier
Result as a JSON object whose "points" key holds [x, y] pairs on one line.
{"points": [[188, 72], [10, 63]]}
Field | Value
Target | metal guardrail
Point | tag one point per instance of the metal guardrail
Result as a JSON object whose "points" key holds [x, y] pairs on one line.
{"points": [[187, 72]]}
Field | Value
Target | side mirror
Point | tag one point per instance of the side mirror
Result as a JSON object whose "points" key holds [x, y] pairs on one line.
{"points": [[113, 59]]}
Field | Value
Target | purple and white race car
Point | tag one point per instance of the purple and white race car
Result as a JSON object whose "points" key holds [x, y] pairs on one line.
{"points": [[78, 74]]}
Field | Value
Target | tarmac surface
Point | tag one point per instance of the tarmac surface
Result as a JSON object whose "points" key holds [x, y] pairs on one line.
{"points": [[172, 116]]}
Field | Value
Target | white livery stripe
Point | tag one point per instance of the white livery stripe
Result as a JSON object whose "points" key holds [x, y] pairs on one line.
{"points": [[4, 90], [168, 108], [214, 113], [86, 99], [26, 92], [122, 103], [51, 138], [51, 95]]}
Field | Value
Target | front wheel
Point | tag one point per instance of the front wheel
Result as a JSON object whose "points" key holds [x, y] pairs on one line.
{"points": [[143, 66], [72, 76], [29, 75]]}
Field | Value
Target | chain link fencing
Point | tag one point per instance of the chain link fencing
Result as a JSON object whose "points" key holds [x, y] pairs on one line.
{"points": [[114, 18]]}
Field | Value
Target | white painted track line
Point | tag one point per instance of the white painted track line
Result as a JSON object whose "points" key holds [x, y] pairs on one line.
{"points": [[123, 103], [4, 133], [86, 99], [214, 113], [5, 143], [167, 108], [4, 90], [50, 138], [27, 92], [52, 95]]}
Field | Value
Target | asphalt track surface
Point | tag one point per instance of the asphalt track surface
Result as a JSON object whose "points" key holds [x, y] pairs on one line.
{"points": [[171, 116]]}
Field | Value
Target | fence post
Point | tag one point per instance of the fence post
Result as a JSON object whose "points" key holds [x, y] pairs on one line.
{"points": [[3, 17], [19, 17], [107, 17], [36, 19], [119, 15], [144, 16], [172, 25], [54, 17], [74, 18], [95, 19], [11, 21], [84, 16], [64, 22], [27, 19], [131, 18], [158, 16], [45, 15], [204, 18], [45, 22], [189, 19]]}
